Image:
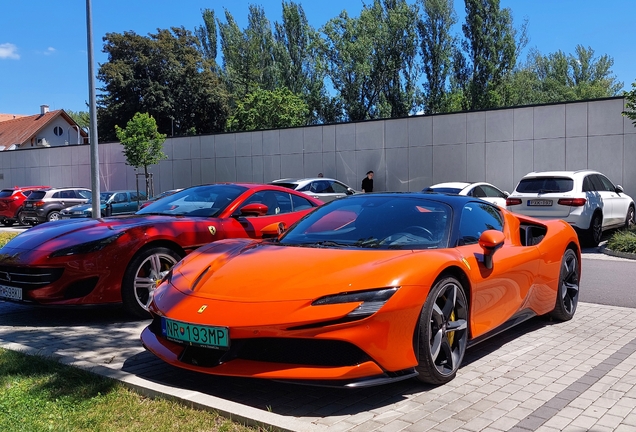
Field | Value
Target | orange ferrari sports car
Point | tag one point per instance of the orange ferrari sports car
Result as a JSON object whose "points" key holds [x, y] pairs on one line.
{"points": [[364, 290]]}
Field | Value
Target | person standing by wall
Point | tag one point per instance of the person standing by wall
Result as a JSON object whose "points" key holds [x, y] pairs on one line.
{"points": [[367, 182]]}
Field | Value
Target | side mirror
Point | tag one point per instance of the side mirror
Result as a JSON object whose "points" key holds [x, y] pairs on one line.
{"points": [[506, 193], [254, 209], [619, 189], [273, 230], [350, 191], [491, 241]]}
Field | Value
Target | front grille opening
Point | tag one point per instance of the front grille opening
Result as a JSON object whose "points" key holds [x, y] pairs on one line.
{"points": [[81, 288], [29, 278]]}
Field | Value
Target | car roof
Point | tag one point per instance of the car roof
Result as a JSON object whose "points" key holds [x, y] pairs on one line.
{"points": [[560, 173], [454, 185], [302, 180]]}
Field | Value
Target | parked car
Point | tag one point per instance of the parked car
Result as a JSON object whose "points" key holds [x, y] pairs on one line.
{"points": [[46, 204], [11, 202], [121, 258], [586, 199], [485, 191], [363, 291], [110, 203], [324, 189], [158, 197]]}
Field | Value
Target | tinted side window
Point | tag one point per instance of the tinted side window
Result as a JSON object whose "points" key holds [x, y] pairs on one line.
{"points": [[478, 192], [321, 187], [607, 184], [84, 194], [545, 185], [57, 195], [477, 218], [587, 184], [492, 192], [338, 187], [300, 203], [597, 183]]}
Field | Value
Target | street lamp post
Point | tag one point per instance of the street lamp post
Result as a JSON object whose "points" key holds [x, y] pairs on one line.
{"points": [[93, 115]]}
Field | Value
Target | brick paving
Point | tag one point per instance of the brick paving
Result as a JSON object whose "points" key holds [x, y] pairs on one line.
{"points": [[540, 376]]}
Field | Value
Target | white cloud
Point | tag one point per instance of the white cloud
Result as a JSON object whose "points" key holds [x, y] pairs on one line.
{"points": [[49, 51], [9, 51]]}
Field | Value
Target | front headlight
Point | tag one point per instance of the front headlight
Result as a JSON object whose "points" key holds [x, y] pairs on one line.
{"points": [[84, 248], [372, 300]]}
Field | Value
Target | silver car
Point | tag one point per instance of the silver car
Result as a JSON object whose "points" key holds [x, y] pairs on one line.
{"points": [[322, 188]]}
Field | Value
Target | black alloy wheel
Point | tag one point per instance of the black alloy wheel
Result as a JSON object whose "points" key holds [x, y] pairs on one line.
{"points": [[629, 220], [443, 332], [595, 231], [568, 292]]}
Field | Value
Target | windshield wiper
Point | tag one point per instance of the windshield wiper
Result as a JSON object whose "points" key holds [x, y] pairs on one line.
{"points": [[544, 191], [370, 242]]}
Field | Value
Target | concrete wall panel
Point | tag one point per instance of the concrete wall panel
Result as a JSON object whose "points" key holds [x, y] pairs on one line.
{"points": [[346, 168], [244, 144], [420, 130], [258, 174], [397, 172], [312, 139], [225, 169], [328, 138], [396, 133], [182, 171], [244, 171], [207, 147], [312, 164], [523, 123], [291, 141], [476, 127], [370, 135], [271, 143], [576, 120], [576, 153], [605, 154], [549, 154], [420, 160], [523, 161], [329, 165], [208, 174], [366, 160], [500, 125], [224, 146], [271, 168], [257, 143], [549, 121], [476, 162], [291, 165], [449, 129], [346, 136], [449, 163], [499, 170], [602, 118], [629, 169]]}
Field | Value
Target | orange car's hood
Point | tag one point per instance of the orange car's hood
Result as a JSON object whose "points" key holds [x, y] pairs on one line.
{"points": [[259, 272]]}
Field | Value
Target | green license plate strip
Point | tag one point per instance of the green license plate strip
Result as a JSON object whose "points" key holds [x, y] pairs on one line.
{"points": [[198, 335]]}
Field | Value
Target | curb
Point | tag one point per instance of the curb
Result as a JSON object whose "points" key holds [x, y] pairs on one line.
{"points": [[606, 251]]}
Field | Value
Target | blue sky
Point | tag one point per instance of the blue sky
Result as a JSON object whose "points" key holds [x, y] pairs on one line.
{"points": [[43, 50]]}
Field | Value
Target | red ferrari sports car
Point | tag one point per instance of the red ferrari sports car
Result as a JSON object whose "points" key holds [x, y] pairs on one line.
{"points": [[115, 259], [365, 290]]}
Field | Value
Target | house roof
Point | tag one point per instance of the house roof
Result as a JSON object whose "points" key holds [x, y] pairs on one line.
{"points": [[21, 129], [4, 117]]}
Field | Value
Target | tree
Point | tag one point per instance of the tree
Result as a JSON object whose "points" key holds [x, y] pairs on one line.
{"points": [[436, 47], [82, 118], [370, 59], [269, 109], [142, 142], [164, 75], [630, 97], [492, 45]]}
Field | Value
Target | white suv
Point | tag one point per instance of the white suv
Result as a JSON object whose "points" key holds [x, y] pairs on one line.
{"points": [[586, 199]]}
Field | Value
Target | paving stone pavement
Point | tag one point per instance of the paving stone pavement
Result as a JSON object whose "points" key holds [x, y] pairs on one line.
{"points": [[540, 376]]}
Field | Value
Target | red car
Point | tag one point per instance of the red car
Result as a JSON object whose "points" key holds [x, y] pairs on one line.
{"points": [[121, 258], [11, 200]]}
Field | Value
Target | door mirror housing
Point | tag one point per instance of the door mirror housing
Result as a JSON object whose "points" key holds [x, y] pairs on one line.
{"points": [[273, 230], [490, 241], [254, 209], [619, 189]]}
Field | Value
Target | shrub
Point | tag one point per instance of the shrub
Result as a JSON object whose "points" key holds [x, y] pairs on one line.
{"points": [[623, 241]]}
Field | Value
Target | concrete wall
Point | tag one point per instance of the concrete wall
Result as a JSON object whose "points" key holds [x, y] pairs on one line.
{"points": [[409, 154]]}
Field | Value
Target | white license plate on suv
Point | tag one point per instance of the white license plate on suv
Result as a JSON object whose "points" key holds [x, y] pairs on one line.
{"points": [[539, 203], [10, 292]]}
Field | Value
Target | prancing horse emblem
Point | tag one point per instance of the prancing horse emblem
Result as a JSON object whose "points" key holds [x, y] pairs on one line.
{"points": [[202, 308], [212, 230]]}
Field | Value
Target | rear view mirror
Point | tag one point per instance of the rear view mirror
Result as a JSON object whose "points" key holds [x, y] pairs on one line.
{"points": [[273, 230], [619, 189], [491, 241], [254, 209]]}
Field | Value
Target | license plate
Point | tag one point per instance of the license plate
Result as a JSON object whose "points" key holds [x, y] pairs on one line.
{"points": [[543, 203], [192, 334], [10, 292], [28, 204]]}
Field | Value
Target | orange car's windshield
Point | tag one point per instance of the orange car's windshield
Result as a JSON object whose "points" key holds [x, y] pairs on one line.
{"points": [[374, 222]]}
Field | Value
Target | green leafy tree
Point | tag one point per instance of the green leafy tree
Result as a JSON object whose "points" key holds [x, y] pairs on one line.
{"points": [[82, 118], [142, 142], [436, 47], [370, 60], [269, 109], [165, 75], [492, 45], [248, 55], [630, 98], [207, 36]]}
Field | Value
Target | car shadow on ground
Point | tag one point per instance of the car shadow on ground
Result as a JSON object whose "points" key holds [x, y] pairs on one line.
{"points": [[300, 400]]}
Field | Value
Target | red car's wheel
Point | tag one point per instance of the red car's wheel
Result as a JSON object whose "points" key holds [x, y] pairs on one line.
{"points": [[568, 293], [443, 332], [142, 275]]}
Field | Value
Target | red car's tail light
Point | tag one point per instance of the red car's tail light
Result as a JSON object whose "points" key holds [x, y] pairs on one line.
{"points": [[513, 201], [573, 202]]}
